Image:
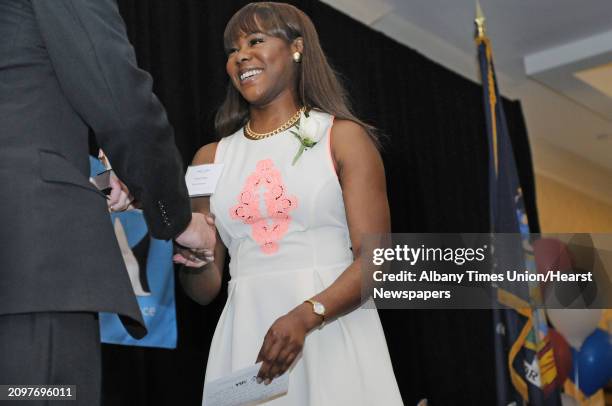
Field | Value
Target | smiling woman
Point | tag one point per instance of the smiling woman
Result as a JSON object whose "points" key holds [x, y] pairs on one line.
{"points": [[257, 67], [302, 182], [269, 39]]}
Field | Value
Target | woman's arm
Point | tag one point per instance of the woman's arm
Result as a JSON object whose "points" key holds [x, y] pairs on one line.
{"points": [[362, 177], [364, 189], [203, 284]]}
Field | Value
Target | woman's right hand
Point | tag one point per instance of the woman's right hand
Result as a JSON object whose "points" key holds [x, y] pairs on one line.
{"points": [[193, 258], [198, 257], [203, 284]]}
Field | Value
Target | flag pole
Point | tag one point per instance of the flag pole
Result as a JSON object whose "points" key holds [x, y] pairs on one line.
{"points": [[536, 315]]}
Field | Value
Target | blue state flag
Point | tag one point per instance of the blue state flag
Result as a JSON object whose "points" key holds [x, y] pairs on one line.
{"points": [[526, 372]]}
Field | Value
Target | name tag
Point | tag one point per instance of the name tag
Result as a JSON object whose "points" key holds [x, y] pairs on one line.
{"points": [[202, 179]]}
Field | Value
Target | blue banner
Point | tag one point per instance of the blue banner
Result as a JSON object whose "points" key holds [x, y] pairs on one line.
{"points": [[151, 272]]}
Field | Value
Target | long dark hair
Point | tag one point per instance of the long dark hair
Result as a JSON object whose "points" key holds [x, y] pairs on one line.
{"points": [[318, 86]]}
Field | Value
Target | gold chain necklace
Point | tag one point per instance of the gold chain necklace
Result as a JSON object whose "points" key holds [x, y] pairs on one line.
{"points": [[288, 124]]}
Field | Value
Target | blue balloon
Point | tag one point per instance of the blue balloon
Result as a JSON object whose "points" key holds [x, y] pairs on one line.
{"points": [[593, 362]]}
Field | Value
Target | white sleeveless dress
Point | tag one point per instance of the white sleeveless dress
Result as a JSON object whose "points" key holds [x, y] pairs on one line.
{"points": [[286, 232]]}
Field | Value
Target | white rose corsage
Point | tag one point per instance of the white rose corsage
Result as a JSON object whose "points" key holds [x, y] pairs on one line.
{"points": [[307, 132]]}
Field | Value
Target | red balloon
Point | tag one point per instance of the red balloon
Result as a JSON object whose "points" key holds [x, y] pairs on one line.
{"points": [[551, 255], [563, 356]]}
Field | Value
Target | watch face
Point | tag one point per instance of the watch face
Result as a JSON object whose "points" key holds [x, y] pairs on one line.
{"points": [[319, 309]]}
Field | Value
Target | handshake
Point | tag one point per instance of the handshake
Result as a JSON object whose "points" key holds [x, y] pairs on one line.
{"points": [[196, 245]]}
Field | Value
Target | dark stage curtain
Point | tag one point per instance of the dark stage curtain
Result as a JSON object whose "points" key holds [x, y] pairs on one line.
{"points": [[435, 154]]}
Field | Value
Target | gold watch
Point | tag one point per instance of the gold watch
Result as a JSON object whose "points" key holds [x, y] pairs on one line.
{"points": [[318, 309]]}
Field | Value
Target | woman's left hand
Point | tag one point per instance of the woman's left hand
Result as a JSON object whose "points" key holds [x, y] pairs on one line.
{"points": [[284, 342]]}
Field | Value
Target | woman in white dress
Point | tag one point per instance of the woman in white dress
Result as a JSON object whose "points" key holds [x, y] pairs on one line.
{"points": [[302, 182]]}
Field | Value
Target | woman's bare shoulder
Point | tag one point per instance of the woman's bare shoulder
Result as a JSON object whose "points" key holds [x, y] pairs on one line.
{"points": [[350, 140], [206, 154]]}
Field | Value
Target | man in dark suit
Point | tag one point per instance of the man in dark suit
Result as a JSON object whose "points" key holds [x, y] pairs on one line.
{"points": [[66, 67]]}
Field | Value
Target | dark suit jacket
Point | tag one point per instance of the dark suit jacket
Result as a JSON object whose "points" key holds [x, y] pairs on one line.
{"points": [[66, 66]]}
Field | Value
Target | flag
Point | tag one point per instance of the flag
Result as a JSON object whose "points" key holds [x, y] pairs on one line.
{"points": [[526, 372]]}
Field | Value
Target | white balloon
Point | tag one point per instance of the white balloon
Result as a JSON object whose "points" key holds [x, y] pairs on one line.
{"points": [[567, 400], [574, 324]]}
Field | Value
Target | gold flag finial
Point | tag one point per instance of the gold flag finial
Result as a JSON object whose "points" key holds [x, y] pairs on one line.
{"points": [[479, 20]]}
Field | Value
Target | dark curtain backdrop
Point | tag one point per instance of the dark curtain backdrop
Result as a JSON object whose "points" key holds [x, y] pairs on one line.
{"points": [[435, 155]]}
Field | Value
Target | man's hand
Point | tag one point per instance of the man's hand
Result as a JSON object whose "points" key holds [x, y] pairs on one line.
{"points": [[119, 198], [200, 234]]}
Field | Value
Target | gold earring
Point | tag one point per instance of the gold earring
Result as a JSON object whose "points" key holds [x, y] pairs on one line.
{"points": [[297, 57]]}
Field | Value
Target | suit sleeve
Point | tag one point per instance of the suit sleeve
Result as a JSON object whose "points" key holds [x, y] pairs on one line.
{"points": [[96, 68]]}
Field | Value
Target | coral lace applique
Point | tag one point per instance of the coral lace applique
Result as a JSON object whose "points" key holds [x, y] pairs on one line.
{"points": [[266, 231]]}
